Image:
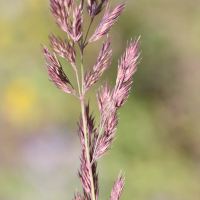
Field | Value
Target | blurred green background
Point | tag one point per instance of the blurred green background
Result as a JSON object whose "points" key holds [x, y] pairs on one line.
{"points": [[158, 144]]}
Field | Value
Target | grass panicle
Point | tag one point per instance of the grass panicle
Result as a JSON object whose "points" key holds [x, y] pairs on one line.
{"points": [[95, 139]]}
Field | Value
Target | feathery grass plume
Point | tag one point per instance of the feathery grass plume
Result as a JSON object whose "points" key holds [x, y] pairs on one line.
{"points": [[95, 140], [61, 9], [108, 20], [61, 13], [126, 69], [63, 49], [54, 69], [103, 62], [76, 27], [118, 187]]}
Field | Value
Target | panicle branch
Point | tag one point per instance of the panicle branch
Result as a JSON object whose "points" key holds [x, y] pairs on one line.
{"points": [[126, 69], [108, 20], [76, 28], [63, 49], [118, 187], [103, 62], [61, 9], [54, 70], [109, 101]]}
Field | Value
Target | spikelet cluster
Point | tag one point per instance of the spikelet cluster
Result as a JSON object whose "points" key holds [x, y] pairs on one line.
{"points": [[95, 139]]}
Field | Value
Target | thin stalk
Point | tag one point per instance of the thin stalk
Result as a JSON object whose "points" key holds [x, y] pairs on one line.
{"points": [[78, 83], [77, 78], [82, 72], [85, 133], [87, 32]]}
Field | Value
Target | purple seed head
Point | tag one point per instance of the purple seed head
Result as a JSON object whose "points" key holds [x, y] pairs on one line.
{"points": [[108, 20], [95, 139]]}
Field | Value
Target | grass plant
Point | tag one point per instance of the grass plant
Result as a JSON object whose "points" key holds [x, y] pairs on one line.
{"points": [[95, 140]]}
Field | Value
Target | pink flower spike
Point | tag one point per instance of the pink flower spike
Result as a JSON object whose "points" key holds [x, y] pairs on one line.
{"points": [[117, 188], [108, 20], [54, 70], [64, 49], [76, 28], [61, 9], [126, 69], [102, 64], [61, 14]]}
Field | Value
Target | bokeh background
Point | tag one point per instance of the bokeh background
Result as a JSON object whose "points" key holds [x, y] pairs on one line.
{"points": [[158, 144]]}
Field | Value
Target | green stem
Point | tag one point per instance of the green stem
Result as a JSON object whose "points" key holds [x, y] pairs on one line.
{"points": [[82, 72], [87, 32], [89, 165], [78, 83]]}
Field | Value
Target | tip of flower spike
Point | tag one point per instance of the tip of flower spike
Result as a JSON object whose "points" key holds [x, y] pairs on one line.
{"points": [[118, 187], [107, 21]]}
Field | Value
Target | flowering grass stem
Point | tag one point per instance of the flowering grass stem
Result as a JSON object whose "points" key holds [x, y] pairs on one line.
{"points": [[95, 140], [85, 131], [87, 148]]}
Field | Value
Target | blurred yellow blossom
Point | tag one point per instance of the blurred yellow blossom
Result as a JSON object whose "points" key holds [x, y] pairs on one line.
{"points": [[18, 101]]}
